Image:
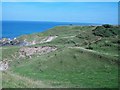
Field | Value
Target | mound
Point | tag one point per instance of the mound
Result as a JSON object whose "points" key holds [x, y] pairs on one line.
{"points": [[106, 30]]}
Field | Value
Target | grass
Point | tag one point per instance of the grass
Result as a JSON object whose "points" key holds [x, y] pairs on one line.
{"points": [[8, 51], [69, 66], [72, 66]]}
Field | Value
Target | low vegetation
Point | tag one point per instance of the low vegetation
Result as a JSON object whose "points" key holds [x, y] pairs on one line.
{"points": [[84, 56], [106, 30]]}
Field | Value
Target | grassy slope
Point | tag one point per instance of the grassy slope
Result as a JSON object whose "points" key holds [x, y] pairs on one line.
{"points": [[66, 67]]}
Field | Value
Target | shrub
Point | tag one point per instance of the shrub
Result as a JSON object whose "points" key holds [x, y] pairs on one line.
{"points": [[106, 31], [89, 47], [107, 26]]}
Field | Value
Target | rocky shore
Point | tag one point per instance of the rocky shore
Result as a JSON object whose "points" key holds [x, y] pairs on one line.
{"points": [[26, 50], [16, 42], [13, 42]]}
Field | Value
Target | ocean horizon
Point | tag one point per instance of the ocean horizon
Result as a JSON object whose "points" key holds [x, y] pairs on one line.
{"points": [[12, 29]]}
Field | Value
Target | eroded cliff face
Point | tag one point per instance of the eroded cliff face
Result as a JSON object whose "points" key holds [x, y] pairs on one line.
{"points": [[29, 51], [3, 65]]}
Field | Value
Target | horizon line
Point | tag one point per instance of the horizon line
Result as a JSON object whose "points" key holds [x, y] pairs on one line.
{"points": [[59, 0], [51, 21], [58, 22]]}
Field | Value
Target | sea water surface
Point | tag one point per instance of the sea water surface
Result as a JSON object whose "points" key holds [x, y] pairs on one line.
{"points": [[12, 29]]}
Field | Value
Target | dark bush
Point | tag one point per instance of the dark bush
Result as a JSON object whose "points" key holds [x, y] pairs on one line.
{"points": [[117, 41], [107, 26], [106, 31], [61, 61], [89, 47]]}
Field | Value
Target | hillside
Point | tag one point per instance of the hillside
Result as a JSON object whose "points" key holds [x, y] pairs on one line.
{"points": [[64, 56]]}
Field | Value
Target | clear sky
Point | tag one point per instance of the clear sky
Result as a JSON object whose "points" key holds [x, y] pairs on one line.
{"points": [[84, 12], [60, 0]]}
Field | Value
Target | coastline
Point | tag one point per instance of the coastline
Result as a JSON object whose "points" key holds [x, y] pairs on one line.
{"points": [[13, 29], [61, 48]]}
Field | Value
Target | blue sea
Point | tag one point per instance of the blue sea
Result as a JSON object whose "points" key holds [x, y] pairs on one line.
{"points": [[12, 29]]}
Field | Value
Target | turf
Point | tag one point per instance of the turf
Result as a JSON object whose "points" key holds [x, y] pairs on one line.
{"points": [[76, 63]]}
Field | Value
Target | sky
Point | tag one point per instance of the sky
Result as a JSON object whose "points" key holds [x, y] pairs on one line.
{"points": [[84, 12], [60, 0]]}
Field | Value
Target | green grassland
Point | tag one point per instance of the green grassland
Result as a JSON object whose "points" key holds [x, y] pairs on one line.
{"points": [[81, 60]]}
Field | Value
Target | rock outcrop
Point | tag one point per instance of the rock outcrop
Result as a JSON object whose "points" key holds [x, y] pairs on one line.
{"points": [[29, 51], [3, 65]]}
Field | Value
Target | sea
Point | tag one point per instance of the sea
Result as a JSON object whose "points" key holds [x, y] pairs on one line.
{"points": [[13, 29]]}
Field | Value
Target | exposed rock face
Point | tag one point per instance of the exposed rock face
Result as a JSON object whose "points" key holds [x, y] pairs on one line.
{"points": [[8, 42], [29, 51], [3, 65], [15, 42]]}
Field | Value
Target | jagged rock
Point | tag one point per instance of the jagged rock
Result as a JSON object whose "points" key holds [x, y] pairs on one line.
{"points": [[3, 65], [29, 51]]}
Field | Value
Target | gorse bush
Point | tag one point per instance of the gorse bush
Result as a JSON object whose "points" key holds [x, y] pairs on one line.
{"points": [[107, 26], [106, 30]]}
